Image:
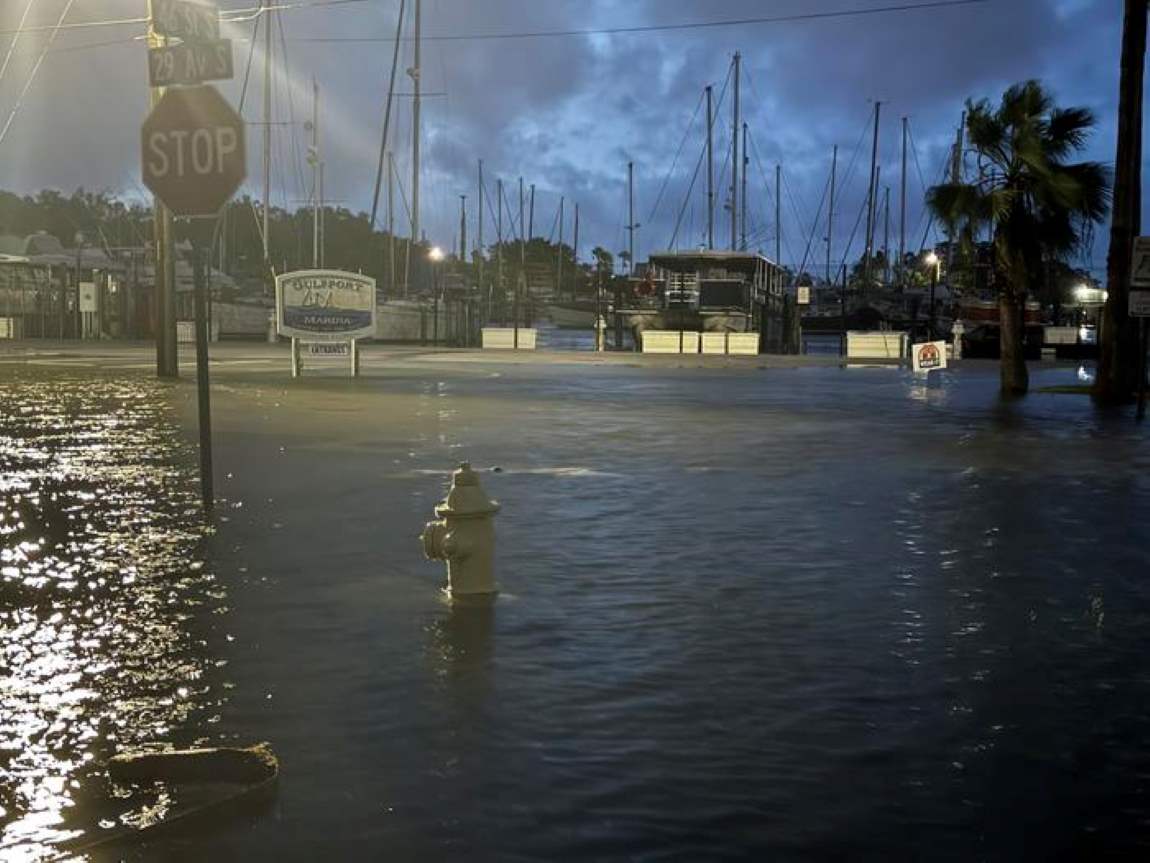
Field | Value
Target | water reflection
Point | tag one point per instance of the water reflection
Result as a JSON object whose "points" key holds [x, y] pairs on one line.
{"points": [[99, 583]]}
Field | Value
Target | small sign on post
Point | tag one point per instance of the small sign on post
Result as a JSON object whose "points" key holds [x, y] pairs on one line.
{"points": [[928, 356], [804, 295]]}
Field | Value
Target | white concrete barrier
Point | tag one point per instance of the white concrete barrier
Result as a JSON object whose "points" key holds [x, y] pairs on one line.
{"points": [[669, 341], [1060, 335], [714, 343], [743, 344], [9, 328], [881, 345], [503, 338]]}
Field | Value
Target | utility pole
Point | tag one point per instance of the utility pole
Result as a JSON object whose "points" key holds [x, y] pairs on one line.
{"points": [[710, 171], [735, 161], [415, 74], [559, 271], [167, 360], [870, 205], [902, 210], [831, 208], [630, 218], [531, 216], [463, 229]]}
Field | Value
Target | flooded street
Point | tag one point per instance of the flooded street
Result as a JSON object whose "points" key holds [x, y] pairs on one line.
{"points": [[746, 613]]}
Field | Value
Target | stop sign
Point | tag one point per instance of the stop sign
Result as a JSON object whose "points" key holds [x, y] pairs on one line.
{"points": [[194, 153]]}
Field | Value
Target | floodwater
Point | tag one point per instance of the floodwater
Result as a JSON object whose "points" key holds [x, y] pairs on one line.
{"points": [[813, 614]]}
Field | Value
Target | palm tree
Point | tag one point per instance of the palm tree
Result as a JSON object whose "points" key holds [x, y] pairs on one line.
{"points": [[1038, 205], [1118, 365]]}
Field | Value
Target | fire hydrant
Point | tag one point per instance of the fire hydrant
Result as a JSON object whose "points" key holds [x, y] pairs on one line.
{"points": [[464, 535]]}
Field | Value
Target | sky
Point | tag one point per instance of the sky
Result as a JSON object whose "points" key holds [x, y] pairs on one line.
{"points": [[568, 113]]}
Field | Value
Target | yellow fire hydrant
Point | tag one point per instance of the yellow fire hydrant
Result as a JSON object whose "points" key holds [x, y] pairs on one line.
{"points": [[464, 535]]}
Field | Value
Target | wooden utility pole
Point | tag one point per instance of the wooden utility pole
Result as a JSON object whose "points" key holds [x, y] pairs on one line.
{"points": [[167, 359], [1118, 365], [710, 171], [265, 224]]}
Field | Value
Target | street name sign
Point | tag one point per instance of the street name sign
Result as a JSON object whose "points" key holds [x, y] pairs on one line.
{"points": [[193, 151], [928, 356], [190, 63], [325, 305], [186, 19]]}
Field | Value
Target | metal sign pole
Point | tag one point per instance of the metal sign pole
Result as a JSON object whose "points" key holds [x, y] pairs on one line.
{"points": [[1142, 368], [203, 383]]}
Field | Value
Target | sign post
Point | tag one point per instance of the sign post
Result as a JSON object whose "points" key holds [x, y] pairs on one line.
{"points": [[194, 159], [326, 310]]}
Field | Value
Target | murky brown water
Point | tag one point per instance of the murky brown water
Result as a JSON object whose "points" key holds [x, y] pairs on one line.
{"points": [[104, 606]]}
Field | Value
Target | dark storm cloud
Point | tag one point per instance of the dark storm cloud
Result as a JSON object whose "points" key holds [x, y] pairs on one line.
{"points": [[569, 113]]}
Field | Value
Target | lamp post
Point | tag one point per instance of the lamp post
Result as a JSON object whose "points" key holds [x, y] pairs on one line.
{"points": [[435, 255], [935, 263], [79, 260]]}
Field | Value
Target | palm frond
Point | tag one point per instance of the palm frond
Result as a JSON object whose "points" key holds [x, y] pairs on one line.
{"points": [[1066, 131]]}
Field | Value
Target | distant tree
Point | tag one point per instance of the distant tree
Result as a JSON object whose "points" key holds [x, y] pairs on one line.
{"points": [[1036, 203]]}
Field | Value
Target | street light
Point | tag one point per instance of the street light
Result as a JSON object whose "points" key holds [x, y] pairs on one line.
{"points": [[932, 261], [435, 255]]}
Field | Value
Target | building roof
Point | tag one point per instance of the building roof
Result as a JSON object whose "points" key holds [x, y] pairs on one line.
{"points": [[747, 263]]}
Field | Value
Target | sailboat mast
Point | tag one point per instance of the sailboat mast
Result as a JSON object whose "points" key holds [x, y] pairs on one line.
{"points": [[415, 107], [559, 270], [735, 161], [743, 194], [831, 208], [870, 203], [479, 239], [575, 255], [710, 171], [630, 218], [886, 239], [778, 214], [902, 207], [391, 221], [266, 218], [315, 173]]}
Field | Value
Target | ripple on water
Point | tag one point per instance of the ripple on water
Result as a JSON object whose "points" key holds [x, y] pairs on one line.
{"points": [[99, 535]]}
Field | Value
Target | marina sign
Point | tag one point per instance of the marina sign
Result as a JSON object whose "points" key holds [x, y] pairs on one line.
{"points": [[928, 356], [325, 305], [190, 63], [186, 19]]}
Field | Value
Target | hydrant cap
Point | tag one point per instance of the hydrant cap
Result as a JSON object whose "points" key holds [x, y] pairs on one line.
{"points": [[466, 496]]}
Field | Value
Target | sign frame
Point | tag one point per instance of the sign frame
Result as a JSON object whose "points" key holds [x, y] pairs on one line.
{"points": [[292, 317], [1139, 304]]}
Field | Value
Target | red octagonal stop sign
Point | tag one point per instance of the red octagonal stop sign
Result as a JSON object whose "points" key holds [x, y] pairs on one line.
{"points": [[193, 149]]}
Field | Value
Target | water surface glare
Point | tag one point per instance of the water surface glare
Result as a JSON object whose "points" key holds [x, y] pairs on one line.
{"points": [[103, 600]]}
